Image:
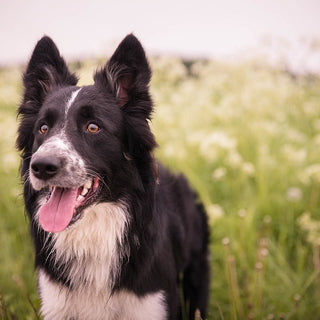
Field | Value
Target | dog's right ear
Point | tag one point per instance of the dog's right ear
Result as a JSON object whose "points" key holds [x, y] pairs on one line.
{"points": [[46, 69]]}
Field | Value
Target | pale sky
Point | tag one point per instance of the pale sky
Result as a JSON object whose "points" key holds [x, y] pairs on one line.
{"points": [[194, 28]]}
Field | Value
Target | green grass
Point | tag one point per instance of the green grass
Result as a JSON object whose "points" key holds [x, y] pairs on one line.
{"points": [[248, 138], [18, 297]]}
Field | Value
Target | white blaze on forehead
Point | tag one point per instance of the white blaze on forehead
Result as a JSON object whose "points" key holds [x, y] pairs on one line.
{"points": [[71, 99]]}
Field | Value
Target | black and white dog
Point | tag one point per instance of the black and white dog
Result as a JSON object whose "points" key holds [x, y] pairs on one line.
{"points": [[116, 235]]}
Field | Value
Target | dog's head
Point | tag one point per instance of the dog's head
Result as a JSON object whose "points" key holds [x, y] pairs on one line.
{"points": [[83, 145]]}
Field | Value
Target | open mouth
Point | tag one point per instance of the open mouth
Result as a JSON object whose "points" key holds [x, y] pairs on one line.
{"points": [[64, 206]]}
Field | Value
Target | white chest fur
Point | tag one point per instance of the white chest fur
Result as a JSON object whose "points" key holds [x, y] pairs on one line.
{"points": [[58, 303], [94, 246], [92, 250]]}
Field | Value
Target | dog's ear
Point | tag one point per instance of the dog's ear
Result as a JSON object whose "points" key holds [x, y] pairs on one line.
{"points": [[46, 69], [128, 73]]}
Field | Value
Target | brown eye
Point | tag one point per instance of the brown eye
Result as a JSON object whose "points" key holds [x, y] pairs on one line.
{"points": [[93, 128], [44, 129]]}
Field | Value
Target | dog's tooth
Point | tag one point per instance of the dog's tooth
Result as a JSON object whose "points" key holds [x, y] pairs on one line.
{"points": [[87, 185], [80, 198], [84, 191]]}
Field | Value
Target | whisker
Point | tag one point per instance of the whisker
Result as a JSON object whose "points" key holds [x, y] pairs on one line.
{"points": [[27, 158], [26, 178], [93, 173]]}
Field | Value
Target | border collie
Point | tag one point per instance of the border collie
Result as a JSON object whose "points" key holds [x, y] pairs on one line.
{"points": [[116, 235]]}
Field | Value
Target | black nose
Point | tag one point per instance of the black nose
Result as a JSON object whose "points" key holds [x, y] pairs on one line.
{"points": [[45, 168]]}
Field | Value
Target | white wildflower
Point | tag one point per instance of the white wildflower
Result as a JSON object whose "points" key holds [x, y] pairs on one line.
{"points": [[311, 173], [219, 173], [226, 241], [174, 151], [195, 137], [295, 155], [296, 136], [248, 168], [263, 252], [242, 213], [267, 219], [234, 159], [311, 227], [215, 211], [219, 139], [294, 194], [213, 144], [168, 150]]}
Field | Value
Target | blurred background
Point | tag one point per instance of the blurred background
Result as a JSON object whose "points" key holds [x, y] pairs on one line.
{"points": [[236, 86], [190, 29]]}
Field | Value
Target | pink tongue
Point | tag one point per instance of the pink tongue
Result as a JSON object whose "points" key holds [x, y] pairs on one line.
{"points": [[57, 213]]}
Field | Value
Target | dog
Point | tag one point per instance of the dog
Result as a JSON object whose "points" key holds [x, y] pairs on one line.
{"points": [[116, 235]]}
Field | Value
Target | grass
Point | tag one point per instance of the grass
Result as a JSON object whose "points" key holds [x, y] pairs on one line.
{"points": [[248, 137]]}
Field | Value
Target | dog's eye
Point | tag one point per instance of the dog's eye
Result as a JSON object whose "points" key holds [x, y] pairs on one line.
{"points": [[93, 128], [44, 129]]}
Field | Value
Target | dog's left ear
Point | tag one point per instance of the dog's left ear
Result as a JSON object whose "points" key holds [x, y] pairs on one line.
{"points": [[128, 73]]}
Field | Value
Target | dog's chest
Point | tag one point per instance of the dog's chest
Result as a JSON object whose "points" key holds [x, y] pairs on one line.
{"points": [[60, 303], [92, 253]]}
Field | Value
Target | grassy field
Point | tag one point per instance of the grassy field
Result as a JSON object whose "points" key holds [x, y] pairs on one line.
{"points": [[248, 137]]}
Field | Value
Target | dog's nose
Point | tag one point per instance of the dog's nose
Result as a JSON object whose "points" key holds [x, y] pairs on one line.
{"points": [[45, 168]]}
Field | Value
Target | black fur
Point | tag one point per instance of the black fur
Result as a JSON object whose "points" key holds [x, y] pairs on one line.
{"points": [[167, 217]]}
